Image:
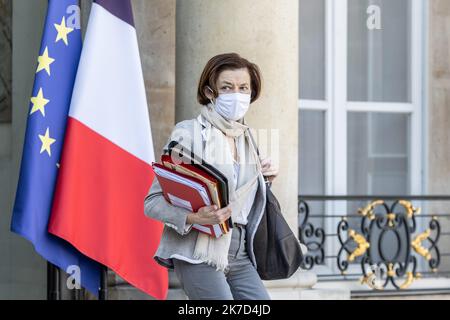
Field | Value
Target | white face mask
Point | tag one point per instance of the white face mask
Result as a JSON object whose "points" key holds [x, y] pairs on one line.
{"points": [[232, 106]]}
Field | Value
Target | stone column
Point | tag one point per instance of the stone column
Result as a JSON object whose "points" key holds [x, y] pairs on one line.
{"points": [[438, 176], [264, 32], [155, 28], [439, 97]]}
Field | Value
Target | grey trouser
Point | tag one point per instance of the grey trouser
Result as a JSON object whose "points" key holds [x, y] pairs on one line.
{"points": [[241, 282]]}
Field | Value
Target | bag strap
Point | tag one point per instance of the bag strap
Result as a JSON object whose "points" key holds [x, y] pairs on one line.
{"points": [[197, 136], [266, 180], [254, 142]]}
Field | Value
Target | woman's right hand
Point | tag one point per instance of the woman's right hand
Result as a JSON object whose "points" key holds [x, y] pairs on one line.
{"points": [[209, 215]]}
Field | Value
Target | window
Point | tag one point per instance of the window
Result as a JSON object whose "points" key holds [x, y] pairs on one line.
{"points": [[360, 103], [360, 97]]}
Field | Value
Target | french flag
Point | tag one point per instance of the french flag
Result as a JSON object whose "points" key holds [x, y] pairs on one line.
{"points": [[105, 169]]}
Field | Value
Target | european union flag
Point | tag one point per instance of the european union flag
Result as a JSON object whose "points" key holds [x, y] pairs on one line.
{"points": [[49, 104]]}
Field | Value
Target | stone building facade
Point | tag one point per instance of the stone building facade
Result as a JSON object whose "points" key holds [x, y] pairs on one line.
{"points": [[176, 38]]}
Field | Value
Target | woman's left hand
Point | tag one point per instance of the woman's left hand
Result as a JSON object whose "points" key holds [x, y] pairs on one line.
{"points": [[268, 169]]}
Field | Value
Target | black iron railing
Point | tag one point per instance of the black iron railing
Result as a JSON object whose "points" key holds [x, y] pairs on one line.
{"points": [[382, 243]]}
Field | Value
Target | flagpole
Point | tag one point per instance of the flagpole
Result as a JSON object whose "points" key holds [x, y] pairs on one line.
{"points": [[103, 290], [53, 291], [77, 294]]}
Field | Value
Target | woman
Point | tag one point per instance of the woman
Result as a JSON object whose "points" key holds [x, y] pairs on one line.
{"points": [[222, 268]]}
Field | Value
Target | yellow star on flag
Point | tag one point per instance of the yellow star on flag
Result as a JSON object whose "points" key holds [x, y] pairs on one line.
{"points": [[39, 103], [46, 142], [63, 31], [44, 62]]}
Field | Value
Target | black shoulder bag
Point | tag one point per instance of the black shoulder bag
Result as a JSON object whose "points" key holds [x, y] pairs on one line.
{"points": [[276, 248]]}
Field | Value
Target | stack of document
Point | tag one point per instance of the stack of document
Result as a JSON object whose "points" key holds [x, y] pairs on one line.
{"points": [[191, 183]]}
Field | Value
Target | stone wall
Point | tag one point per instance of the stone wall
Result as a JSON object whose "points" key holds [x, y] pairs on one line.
{"points": [[438, 177], [5, 58]]}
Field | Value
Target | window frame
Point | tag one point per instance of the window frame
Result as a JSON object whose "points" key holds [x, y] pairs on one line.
{"points": [[336, 107]]}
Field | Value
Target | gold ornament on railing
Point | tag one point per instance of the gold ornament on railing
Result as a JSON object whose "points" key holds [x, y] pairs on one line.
{"points": [[410, 210], [362, 243], [416, 244], [367, 211]]}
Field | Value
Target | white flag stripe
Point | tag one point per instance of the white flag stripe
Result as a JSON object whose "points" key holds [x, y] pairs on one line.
{"points": [[109, 93]]}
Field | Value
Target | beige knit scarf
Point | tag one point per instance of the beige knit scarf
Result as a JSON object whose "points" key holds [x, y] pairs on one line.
{"points": [[217, 152]]}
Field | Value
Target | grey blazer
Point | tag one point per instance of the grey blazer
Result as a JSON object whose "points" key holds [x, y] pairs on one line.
{"points": [[178, 239]]}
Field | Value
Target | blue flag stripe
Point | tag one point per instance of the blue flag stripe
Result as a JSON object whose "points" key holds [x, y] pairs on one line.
{"points": [[47, 116]]}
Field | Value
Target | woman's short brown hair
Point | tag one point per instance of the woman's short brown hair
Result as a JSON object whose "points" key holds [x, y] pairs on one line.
{"points": [[227, 61]]}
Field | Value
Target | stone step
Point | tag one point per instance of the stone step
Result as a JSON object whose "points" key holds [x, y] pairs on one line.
{"points": [[308, 294], [127, 292], [298, 287]]}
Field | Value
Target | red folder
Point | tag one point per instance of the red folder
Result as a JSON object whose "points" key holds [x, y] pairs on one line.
{"points": [[178, 193], [166, 158]]}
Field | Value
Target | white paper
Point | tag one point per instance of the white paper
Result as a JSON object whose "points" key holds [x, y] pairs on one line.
{"points": [[176, 201]]}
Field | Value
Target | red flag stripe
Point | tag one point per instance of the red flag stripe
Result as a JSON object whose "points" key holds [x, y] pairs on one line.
{"points": [[98, 207]]}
